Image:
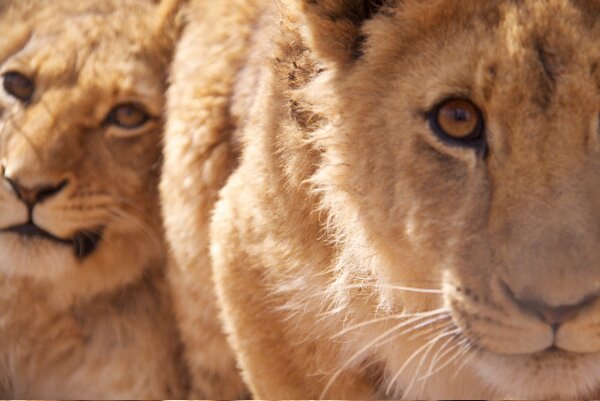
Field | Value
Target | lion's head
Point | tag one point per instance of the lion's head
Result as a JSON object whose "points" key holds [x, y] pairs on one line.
{"points": [[464, 158], [453, 147], [80, 123]]}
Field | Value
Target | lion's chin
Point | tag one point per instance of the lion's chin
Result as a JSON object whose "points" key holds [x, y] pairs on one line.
{"points": [[551, 374]]}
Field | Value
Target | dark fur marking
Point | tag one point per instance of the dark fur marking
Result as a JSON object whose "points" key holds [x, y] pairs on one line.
{"points": [[595, 74], [299, 69], [489, 81], [549, 71], [357, 50], [358, 11], [305, 118], [369, 10], [548, 65]]}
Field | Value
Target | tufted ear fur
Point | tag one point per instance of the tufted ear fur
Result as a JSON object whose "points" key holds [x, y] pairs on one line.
{"points": [[333, 27]]}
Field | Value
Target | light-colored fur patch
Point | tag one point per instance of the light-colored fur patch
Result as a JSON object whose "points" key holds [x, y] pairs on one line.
{"points": [[200, 153]]}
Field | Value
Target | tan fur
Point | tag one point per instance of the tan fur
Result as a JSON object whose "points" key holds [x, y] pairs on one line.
{"points": [[344, 197], [100, 326], [199, 155]]}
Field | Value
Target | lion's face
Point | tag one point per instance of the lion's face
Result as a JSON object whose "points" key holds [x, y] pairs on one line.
{"points": [[464, 157], [80, 122]]}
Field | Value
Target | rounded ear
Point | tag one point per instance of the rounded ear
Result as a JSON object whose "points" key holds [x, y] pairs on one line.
{"points": [[333, 27]]}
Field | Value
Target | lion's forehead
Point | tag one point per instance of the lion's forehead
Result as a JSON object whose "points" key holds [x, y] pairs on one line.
{"points": [[83, 56], [535, 61], [476, 47], [557, 29], [84, 74], [103, 42]]}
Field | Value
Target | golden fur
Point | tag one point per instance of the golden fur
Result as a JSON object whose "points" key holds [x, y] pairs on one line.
{"points": [[357, 254], [93, 318], [199, 156]]}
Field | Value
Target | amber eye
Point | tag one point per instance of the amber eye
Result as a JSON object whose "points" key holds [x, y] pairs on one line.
{"points": [[458, 121], [127, 116], [18, 85]]}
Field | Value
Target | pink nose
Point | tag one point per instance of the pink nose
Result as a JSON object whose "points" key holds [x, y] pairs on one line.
{"points": [[31, 196]]}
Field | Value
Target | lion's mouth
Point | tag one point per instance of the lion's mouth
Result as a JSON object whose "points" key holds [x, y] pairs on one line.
{"points": [[84, 242]]}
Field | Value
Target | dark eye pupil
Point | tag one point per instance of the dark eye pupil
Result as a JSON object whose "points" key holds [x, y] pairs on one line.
{"points": [[461, 115], [18, 85], [127, 111]]}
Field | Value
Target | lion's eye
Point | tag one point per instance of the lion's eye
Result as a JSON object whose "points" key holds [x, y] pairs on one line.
{"points": [[18, 85], [127, 116], [459, 121]]}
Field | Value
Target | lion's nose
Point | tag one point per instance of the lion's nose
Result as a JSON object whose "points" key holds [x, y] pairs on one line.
{"points": [[553, 315], [558, 315], [36, 194]]}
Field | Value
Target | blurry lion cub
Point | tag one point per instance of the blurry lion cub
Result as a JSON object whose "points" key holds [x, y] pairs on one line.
{"points": [[200, 153], [84, 308], [416, 212]]}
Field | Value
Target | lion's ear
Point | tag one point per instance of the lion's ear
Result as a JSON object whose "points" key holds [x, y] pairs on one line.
{"points": [[333, 27]]}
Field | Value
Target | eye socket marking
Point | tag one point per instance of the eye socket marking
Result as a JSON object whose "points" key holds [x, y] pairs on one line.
{"points": [[18, 86], [458, 122], [128, 116]]}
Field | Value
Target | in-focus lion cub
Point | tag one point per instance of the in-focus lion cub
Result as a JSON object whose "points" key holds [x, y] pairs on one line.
{"points": [[416, 212], [84, 308]]}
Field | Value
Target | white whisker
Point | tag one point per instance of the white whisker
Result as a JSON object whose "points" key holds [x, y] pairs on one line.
{"points": [[442, 352], [439, 327], [410, 359], [395, 287], [359, 353], [390, 317], [473, 351], [427, 322], [433, 342]]}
